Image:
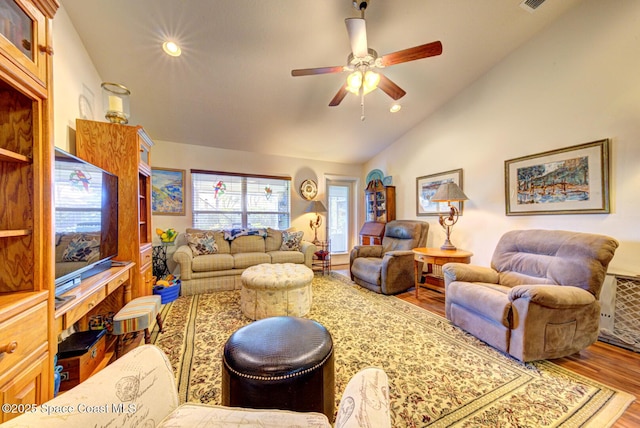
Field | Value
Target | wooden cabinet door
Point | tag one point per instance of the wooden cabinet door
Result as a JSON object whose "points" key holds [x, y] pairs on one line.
{"points": [[146, 280], [29, 387]]}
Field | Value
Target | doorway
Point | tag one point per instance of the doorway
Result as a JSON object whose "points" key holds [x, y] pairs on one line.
{"points": [[341, 218]]}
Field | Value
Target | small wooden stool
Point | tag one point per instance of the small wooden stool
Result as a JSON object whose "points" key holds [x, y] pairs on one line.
{"points": [[135, 316]]}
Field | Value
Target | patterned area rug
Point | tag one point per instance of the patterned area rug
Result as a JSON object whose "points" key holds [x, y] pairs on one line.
{"points": [[439, 375]]}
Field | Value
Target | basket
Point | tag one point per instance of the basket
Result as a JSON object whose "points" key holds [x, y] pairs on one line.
{"points": [[167, 294]]}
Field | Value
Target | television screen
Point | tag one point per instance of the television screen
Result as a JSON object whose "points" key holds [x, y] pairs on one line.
{"points": [[86, 220]]}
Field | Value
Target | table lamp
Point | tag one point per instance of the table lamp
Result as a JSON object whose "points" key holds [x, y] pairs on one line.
{"points": [[449, 192], [316, 207]]}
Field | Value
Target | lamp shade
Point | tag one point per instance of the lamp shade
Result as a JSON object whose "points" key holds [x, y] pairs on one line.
{"points": [[316, 207], [448, 192]]}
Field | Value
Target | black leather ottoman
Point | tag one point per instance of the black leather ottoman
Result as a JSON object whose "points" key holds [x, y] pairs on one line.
{"points": [[280, 363]]}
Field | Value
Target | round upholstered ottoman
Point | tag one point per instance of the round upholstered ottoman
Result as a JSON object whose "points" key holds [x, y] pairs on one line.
{"points": [[275, 289], [280, 363]]}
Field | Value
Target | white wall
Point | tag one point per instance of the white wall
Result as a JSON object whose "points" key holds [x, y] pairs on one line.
{"points": [[73, 75], [576, 82]]}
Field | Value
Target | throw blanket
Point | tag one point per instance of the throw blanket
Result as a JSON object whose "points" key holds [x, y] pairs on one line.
{"points": [[232, 234]]}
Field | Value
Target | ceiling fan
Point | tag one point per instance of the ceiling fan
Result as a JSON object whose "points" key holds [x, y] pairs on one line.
{"points": [[363, 60]]}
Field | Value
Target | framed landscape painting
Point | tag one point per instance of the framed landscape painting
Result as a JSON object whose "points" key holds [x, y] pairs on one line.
{"points": [[572, 180], [167, 191], [426, 187]]}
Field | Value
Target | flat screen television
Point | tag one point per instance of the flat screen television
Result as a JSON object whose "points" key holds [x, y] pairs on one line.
{"points": [[86, 220]]}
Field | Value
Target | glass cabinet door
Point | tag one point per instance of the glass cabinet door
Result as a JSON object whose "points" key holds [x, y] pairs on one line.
{"points": [[22, 28], [381, 207], [371, 207]]}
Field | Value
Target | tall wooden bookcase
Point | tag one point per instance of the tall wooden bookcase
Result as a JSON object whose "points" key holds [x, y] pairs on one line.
{"points": [[380, 208], [27, 341], [125, 151]]}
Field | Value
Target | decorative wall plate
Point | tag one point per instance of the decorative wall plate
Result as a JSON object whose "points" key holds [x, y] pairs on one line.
{"points": [[374, 174], [309, 189]]}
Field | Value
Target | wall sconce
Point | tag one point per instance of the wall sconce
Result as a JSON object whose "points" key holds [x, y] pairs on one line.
{"points": [[449, 192], [316, 207], [115, 101]]}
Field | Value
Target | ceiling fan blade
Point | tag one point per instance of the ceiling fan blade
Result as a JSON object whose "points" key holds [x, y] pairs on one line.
{"points": [[412, 54], [390, 88], [337, 99], [357, 29], [319, 70]]}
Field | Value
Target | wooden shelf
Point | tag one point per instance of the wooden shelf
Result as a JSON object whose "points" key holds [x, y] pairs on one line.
{"points": [[9, 156], [14, 232]]}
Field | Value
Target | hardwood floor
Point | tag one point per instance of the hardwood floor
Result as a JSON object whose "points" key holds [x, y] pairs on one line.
{"points": [[613, 366]]}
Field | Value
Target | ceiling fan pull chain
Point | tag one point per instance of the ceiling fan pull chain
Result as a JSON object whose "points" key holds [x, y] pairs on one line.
{"points": [[362, 105]]}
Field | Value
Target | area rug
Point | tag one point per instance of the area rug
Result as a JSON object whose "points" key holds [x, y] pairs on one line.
{"points": [[439, 375]]}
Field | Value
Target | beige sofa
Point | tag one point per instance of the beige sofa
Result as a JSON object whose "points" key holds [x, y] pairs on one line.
{"points": [[539, 298], [139, 390], [222, 270]]}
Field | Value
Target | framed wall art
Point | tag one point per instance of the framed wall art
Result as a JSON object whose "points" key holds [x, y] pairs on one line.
{"points": [[167, 191], [426, 187], [572, 180]]}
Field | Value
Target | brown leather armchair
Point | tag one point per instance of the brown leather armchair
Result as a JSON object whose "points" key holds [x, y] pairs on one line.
{"points": [[539, 299], [388, 268]]}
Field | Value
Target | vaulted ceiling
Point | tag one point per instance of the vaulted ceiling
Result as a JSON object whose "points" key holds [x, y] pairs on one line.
{"points": [[232, 86]]}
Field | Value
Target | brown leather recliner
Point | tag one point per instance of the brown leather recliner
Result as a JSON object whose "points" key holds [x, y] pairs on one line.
{"points": [[388, 268], [539, 299]]}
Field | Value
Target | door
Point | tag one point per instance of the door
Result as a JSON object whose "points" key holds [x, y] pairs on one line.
{"points": [[340, 217]]}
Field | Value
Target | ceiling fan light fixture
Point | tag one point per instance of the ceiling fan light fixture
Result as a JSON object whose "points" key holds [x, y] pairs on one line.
{"points": [[371, 80], [354, 82], [171, 48], [395, 108]]}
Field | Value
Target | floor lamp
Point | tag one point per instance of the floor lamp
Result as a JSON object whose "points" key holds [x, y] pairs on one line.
{"points": [[449, 192], [316, 207]]}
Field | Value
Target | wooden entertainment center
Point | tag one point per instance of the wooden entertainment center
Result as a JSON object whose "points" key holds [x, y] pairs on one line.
{"points": [[105, 292], [29, 320], [27, 340]]}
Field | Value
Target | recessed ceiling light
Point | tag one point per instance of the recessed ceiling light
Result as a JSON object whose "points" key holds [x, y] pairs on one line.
{"points": [[395, 108], [171, 48]]}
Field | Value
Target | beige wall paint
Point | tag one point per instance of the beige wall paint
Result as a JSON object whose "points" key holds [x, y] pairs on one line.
{"points": [[183, 156], [75, 75], [576, 82]]}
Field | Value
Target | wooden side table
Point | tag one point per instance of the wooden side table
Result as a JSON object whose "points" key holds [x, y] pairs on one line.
{"points": [[435, 258]]}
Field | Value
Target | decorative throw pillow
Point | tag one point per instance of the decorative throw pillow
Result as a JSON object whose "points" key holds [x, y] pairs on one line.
{"points": [[291, 241], [202, 243], [82, 247]]}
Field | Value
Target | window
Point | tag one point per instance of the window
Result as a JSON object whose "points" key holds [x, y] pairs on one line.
{"points": [[227, 201]]}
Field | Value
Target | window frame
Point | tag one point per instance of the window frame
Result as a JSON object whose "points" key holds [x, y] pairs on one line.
{"points": [[244, 211]]}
